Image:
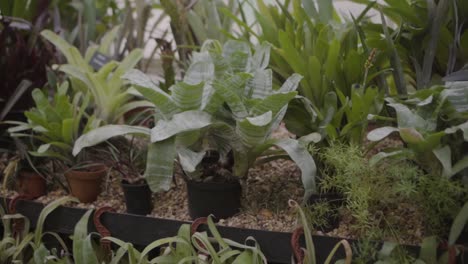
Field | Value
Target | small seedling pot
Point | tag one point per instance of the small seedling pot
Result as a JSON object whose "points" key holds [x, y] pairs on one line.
{"points": [[31, 184], [137, 198], [222, 200], [86, 185], [335, 200]]}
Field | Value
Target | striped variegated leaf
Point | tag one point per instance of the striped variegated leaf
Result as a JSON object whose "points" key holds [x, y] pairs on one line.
{"points": [[273, 103], [291, 83], [160, 164], [201, 71], [188, 96], [183, 122], [238, 55], [261, 85], [253, 130], [261, 58], [189, 159], [230, 90]]}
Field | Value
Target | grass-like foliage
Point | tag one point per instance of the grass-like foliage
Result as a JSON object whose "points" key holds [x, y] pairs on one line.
{"points": [[384, 199]]}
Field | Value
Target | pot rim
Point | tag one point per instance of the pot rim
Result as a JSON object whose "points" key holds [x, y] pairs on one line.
{"points": [[133, 185], [214, 186]]}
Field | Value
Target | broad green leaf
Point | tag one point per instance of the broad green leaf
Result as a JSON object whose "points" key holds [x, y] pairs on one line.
{"points": [[67, 50], [45, 212], [182, 122], [303, 160], [382, 155], [458, 224], [428, 252], [138, 78], [463, 127], [411, 135], [273, 103], [291, 83], [160, 164], [260, 86], [253, 130], [261, 57], [457, 94], [83, 252], [407, 119], [189, 160], [108, 39], [187, 96], [198, 72], [101, 134], [381, 133], [233, 99]]}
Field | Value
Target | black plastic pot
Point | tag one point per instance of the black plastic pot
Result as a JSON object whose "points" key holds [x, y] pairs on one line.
{"points": [[335, 201], [219, 199], [137, 198]]}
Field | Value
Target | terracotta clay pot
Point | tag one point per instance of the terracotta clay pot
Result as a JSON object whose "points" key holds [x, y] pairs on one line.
{"points": [[31, 184], [86, 185]]}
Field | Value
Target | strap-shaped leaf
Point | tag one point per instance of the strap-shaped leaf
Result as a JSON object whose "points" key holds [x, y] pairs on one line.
{"points": [[101, 134], [189, 159], [108, 39], [444, 155], [130, 61], [201, 71], [299, 154], [164, 104], [233, 46], [83, 251], [457, 94], [228, 88], [188, 96], [133, 105], [291, 83], [138, 78], [460, 221], [160, 165], [406, 118], [180, 123], [273, 103], [70, 52], [44, 107], [253, 130], [463, 127], [261, 57], [381, 133], [224, 138], [261, 85]]}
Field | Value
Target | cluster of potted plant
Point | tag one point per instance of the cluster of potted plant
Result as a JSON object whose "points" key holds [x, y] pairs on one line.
{"points": [[380, 137], [217, 122]]}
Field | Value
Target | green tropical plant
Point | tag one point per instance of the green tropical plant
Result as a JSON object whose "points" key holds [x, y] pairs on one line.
{"points": [[427, 40], [27, 247], [207, 21], [197, 248], [85, 249], [84, 22], [309, 254], [334, 63], [110, 97], [56, 125], [429, 126], [226, 104]]}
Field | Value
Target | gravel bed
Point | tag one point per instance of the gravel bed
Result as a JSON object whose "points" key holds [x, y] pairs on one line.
{"points": [[266, 192]]}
